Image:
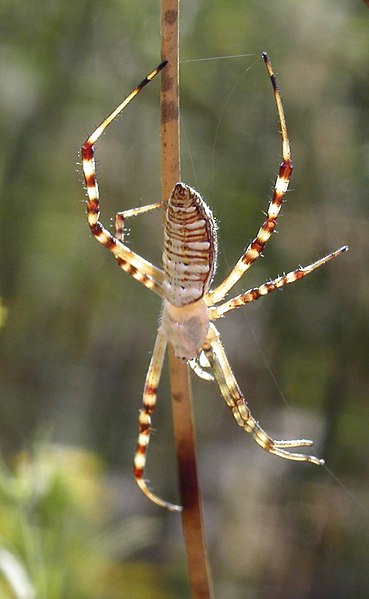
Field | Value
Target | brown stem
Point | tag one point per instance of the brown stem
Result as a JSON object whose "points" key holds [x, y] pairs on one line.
{"points": [[193, 527]]}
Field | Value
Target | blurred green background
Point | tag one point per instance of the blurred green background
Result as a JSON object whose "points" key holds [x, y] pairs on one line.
{"points": [[76, 340]]}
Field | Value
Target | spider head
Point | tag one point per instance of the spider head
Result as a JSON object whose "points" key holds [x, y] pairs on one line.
{"points": [[185, 328]]}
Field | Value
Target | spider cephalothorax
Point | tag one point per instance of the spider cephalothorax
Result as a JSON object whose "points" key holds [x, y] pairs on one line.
{"points": [[189, 305]]}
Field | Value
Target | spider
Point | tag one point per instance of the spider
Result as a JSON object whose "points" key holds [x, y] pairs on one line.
{"points": [[190, 307]]}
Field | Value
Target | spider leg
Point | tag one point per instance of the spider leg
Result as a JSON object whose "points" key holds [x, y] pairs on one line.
{"points": [[144, 420], [199, 366], [135, 265], [256, 247], [257, 292], [120, 217], [236, 402]]}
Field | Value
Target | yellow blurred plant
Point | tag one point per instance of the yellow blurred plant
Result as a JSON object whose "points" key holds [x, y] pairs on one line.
{"points": [[57, 539]]}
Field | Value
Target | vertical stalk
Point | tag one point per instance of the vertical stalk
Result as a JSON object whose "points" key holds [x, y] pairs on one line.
{"points": [[192, 521]]}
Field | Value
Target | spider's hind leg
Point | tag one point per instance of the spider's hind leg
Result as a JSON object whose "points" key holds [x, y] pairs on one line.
{"points": [[136, 266], [121, 217], [256, 247], [236, 402], [253, 294]]}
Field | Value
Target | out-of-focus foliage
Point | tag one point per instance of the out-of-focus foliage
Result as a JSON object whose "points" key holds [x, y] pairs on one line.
{"points": [[57, 537], [3, 313], [76, 342]]}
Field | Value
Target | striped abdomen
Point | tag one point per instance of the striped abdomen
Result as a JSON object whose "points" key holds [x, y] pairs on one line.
{"points": [[190, 246]]}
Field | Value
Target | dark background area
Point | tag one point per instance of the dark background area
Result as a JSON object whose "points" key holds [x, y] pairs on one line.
{"points": [[76, 340]]}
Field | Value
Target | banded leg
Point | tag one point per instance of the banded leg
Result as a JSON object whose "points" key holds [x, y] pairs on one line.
{"points": [[256, 247], [257, 292], [144, 420], [121, 217], [135, 265], [235, 400]]}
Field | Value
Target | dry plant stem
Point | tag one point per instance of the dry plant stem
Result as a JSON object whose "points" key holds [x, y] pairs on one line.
{"points": [[193, 528]]}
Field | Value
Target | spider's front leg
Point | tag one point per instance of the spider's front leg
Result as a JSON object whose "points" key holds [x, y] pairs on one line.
{"points": [[144, 421], [232, 395]]}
